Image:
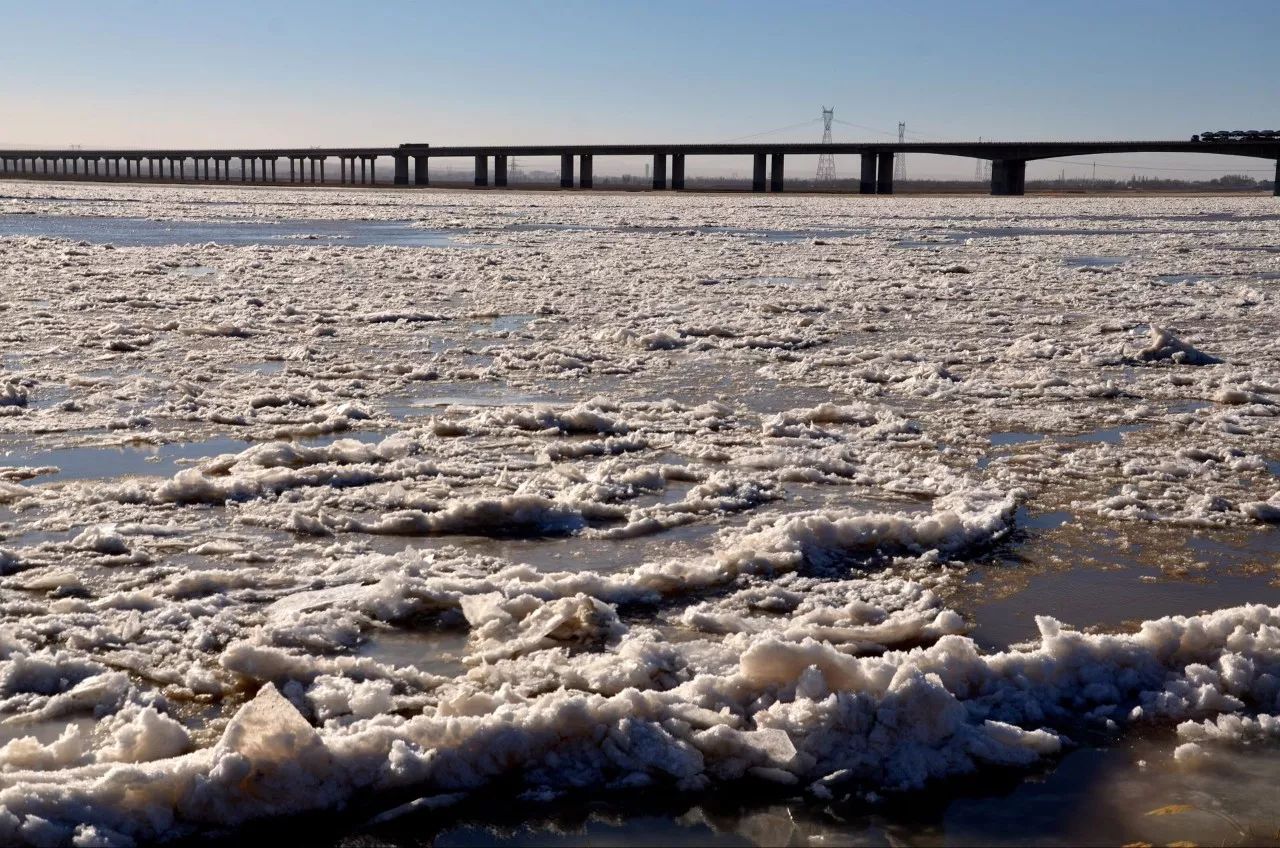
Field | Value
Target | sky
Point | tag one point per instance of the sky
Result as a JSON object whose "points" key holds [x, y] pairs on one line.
{"points": [[187, 74]]}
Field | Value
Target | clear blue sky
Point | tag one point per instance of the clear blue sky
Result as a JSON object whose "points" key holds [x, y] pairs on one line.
{"points": [[227, 73]]}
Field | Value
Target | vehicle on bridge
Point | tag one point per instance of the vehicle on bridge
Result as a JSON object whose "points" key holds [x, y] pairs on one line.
{"points": [[1236, 135]]}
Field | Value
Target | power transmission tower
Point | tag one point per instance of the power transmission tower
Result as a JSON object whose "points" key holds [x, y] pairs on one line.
{"points": [[900, 161], [827, 162]]}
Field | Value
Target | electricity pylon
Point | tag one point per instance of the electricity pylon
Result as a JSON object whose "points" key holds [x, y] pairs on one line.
{"points": [[827, 162]]}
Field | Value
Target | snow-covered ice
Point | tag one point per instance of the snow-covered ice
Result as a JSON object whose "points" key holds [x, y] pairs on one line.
{"points": [[700, 485]]}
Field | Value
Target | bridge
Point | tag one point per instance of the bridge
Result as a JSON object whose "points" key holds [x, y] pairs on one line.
{"points": [[308, 165]]}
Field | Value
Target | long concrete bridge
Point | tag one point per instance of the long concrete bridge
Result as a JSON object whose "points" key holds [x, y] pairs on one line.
{"points": [[308, 165]]}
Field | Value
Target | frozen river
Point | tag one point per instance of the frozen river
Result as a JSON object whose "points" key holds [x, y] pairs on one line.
{"points": [[730, 519]]}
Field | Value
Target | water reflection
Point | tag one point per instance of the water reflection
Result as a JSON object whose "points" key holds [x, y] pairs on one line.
{"points": [[144, 232]]}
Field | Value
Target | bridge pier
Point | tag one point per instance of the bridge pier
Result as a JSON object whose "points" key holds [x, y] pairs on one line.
{"points": [[500, 170], [566, 170], [420, 171], [884, 173], [775, 173], [659, 171], [401, 173], [1008, 177], [867, 180], [1275, 189], [677, 172], [586, 178], [757, 172], [482, 170]]}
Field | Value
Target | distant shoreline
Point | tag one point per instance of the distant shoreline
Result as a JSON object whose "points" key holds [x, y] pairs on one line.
{"points": [[900, 189]]}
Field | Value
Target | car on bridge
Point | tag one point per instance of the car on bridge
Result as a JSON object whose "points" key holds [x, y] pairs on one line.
{"points": [[1235, 135]]}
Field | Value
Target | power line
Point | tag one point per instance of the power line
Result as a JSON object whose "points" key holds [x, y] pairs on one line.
{"points": [[1155, 168], [877, 131], [862, 127], [771, 132]]}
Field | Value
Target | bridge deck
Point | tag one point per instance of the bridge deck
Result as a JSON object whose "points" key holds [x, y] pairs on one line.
{"points": [[1026, 150]]}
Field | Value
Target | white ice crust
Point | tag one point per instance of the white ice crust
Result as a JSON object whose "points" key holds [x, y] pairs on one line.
{"points": [[656, 502]]}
